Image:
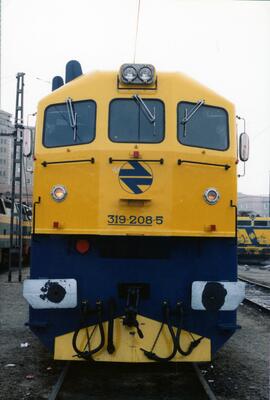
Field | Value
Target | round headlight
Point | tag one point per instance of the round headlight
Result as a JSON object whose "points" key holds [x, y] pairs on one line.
{"points": [[59, 193], [145, 74], [211, 196], [129, 74]]}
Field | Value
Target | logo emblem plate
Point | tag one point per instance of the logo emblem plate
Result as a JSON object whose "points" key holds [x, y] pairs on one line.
{"points": [[135, 177]]}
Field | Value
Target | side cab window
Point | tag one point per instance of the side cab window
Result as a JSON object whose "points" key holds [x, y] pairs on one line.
{"points": [[203, 126]]}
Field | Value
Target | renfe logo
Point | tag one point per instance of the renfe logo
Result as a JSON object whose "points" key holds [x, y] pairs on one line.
{"points": [[135, 177]]}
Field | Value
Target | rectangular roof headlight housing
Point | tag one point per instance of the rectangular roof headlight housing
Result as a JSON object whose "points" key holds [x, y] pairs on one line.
{"points": [[137, 74]]}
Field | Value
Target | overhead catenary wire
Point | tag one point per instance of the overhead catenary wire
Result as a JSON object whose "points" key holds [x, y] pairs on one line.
{"points": [[137, 29], [261, 132]]}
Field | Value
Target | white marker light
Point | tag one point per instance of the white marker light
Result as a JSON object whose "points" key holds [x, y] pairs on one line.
{"points": [[59, 193], [137, 74], [211, 196], [145, 74], [129, 74]]}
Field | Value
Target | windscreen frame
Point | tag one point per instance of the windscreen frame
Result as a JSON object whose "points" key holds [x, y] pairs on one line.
{"points": [[193, 104], [137, 141], [68, 144]]}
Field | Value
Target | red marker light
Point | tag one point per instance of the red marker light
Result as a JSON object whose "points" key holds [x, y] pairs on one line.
{"points": [[82, 246], [210, 228], [136, 154], [55, 224]]}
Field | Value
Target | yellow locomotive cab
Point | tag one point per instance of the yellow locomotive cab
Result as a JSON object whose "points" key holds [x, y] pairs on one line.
{"points": [[135, 188]]}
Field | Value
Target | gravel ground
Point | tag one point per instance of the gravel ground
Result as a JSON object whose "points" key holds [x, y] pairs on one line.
{"points": [[25, 372], [239, 371], [132, 382]]}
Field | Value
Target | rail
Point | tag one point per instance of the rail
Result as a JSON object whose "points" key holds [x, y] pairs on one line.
{"points": [[257, 295], [210, 394], [202, 390], [57, 387]]}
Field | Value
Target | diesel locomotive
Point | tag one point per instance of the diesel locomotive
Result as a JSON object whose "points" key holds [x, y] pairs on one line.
{"points": [[134, 249], [5, 211], [253, 239]]}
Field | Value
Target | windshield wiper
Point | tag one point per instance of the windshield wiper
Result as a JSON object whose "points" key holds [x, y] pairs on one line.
{"points": [[192, 112], [72, 117], [146, 110]]}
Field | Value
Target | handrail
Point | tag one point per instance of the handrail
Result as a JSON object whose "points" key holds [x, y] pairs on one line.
{"points": [[45, 163], [226, 166], [34, 214], [111, 160]]}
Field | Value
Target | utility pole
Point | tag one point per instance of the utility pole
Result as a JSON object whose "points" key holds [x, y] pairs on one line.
{"points": [[269, 197], [15, 250], [0, 49]]}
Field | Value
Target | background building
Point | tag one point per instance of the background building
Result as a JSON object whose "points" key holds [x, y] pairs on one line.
{"points": [[6, 158], [253, 205], [5, 148]]}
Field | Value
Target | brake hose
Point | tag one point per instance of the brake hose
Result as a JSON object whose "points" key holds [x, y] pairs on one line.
{"points": [[192, 344], [87, 355], [110, 344], [175, 338], [153, 356]]}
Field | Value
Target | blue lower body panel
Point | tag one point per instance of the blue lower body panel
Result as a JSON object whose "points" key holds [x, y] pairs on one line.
{"points": [[166, 266]]}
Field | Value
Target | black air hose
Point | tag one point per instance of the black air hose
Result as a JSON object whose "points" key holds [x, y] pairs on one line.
{"points": [[110, 344], [153, 356], [87, 355], [175, 338], [193, 344]]}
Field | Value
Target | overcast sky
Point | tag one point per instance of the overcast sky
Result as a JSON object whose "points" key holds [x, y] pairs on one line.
{"points": [[223, 44]]}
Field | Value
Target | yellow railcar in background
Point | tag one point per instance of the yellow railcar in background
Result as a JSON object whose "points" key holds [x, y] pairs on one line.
{"points": [[5, 210], [253, 239]]}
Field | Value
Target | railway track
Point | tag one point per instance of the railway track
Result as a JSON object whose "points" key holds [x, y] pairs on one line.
{"points": [[144, 381], [58, 386], [210, 394], [257, 295]]}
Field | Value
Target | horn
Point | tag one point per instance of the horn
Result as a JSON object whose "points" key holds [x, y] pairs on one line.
{"points": [[73, 70]]}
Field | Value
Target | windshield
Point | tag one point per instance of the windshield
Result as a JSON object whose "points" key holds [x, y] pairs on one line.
{"points": [[207, 128], [59, 131], [243, 223], [136, 120]]}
